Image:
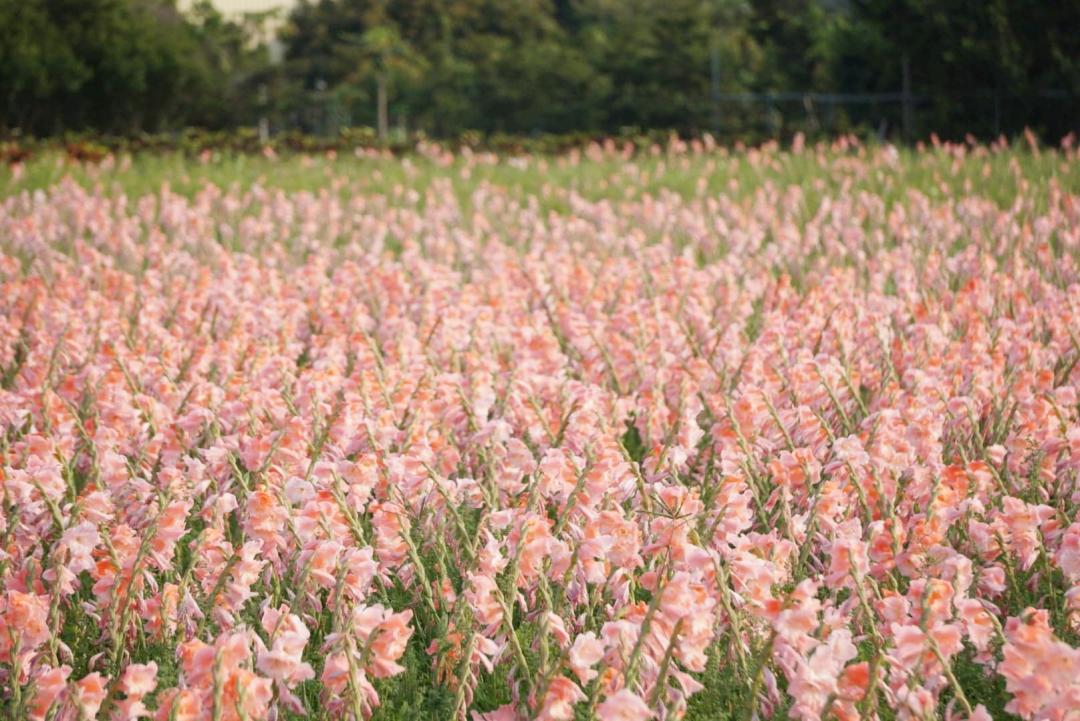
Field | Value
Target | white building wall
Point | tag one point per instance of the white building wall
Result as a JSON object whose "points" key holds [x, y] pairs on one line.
{"points": [[230, 7]]}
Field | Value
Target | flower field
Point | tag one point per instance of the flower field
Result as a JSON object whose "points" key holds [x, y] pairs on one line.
{"points": [[691, 434]]}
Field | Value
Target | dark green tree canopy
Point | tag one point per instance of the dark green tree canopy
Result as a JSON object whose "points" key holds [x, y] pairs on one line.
{"points": [[120, 66], [739, 68]]}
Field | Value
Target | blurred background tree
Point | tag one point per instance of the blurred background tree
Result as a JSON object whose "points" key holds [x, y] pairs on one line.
{"points": [[741, 69], [122, 66]]}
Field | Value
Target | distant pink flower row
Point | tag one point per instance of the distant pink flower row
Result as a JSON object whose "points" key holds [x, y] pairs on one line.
{"points": [[603, 455]]}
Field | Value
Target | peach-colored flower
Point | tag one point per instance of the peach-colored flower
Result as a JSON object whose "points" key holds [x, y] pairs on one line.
{"points": [[631, 417], [139, 679], [585, 653], [623, 705], [23, 622], [88, 693], [283, 661], [50, 684], [1041, 672], [178, 705], [558, 702]]}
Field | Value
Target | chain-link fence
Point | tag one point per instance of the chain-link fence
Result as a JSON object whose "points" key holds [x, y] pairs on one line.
{"points": [[753, 117], [896, 115]]}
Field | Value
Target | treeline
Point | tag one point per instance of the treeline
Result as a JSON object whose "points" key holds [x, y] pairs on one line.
{"points": [[446, 68], [124, 66]]}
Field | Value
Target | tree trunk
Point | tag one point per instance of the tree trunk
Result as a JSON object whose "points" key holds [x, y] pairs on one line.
{"points": [[384, 120]]}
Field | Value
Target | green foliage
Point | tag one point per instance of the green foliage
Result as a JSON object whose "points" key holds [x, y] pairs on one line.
{"points": [[120, 66], [982, 687], [634, 445], [983, 68], [228, 162], [537, 67], [554, 66]]}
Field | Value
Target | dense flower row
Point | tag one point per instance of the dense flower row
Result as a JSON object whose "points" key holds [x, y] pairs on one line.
{"points": [[250, 456]]}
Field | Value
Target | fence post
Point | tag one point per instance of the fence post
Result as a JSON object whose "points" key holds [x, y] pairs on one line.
{"points": [[812, 124], [264, 122], [906, 118], [997, 112]]}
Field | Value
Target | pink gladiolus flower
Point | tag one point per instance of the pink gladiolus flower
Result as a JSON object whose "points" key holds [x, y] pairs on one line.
{"points": [[558, 704], [88, 694], [50, 684], [584, 654], [1041, 672], [283, 661], [22, 623], [623, 705], [139, 679], [607, 432]]}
